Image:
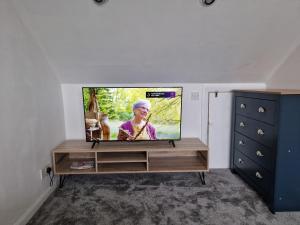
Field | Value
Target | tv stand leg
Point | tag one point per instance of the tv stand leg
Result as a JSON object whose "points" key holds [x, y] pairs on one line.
{"points": [[202, 177], [172, 143], [62, 180]]}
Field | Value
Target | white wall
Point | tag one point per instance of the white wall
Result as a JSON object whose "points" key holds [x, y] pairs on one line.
{"points": [[288, 73], [31, 119], [194, 117]]}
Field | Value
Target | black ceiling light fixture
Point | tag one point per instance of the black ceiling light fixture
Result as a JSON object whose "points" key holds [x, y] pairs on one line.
{"points": [[100, 2], [208, 2]]}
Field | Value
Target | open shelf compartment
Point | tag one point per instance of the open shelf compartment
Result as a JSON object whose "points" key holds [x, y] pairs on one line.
{"points": [[64, 161], [119, 157], [181, 163], [124, 167]]}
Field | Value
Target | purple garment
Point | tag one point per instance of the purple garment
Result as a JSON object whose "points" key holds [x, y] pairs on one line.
{"points": [[149, 128]]}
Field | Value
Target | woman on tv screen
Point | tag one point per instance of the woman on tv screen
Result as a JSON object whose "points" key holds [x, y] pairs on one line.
{"points": [[138, 128]]}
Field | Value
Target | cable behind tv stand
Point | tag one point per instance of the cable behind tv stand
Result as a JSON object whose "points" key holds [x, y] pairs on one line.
{"points": [[189, 155]]}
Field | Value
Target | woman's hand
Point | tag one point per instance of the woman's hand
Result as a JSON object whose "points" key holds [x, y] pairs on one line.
{"points": [[130, 137], [124, 135]]}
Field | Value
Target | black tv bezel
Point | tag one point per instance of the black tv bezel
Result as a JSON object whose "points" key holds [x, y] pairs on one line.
{"points": [[107, 141]]}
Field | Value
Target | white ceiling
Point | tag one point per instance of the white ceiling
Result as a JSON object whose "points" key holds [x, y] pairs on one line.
{"points": [[141, 41]]}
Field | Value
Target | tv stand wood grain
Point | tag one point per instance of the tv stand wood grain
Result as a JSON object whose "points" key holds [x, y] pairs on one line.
{"points": [[189, 155]]}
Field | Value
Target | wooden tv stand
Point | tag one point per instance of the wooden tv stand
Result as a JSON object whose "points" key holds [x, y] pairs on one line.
{"points": [[189, 155]]}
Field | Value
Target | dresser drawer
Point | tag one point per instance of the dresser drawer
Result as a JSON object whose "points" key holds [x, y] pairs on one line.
{"points": [[260, 154], [259, 109], [259, 176], [259, 131]]}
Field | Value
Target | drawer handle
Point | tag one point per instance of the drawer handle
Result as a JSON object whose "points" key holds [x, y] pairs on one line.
{"points": [[258, 153], [243, 106], [241, 142], [258, 175], [261, 109], [241, 161], [242, 124], [260, 132]]}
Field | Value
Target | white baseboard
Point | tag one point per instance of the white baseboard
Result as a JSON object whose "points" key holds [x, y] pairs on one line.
{"points": [[24, 219]]}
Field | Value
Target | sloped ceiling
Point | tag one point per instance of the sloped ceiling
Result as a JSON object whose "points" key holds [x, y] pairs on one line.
{"points": [[288, 73], [141, 41]]}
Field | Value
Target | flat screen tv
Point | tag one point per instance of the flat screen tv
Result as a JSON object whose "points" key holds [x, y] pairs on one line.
{"points": [[132, 113]]}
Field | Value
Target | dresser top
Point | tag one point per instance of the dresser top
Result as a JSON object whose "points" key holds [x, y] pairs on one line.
{"points": [[274, 91]]}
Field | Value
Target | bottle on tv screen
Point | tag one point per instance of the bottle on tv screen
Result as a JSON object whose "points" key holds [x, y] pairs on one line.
{"points": [[132, 114]]}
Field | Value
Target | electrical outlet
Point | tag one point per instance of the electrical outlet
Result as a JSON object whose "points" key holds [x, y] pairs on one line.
{"points": [[43, 172], [195, 96]]}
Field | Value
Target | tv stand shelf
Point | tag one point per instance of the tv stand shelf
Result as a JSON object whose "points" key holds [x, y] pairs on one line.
{"points": [[111, 157], [189, 155]]}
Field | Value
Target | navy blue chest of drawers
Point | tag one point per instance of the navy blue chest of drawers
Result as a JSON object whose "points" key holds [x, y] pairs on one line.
{"points": [[265, 149]]}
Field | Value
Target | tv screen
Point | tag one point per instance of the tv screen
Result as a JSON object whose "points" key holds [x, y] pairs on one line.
{"points": [[132, 114]]}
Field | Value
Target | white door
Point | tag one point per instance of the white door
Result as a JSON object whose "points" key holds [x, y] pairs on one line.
{"points": [[219, 129]]}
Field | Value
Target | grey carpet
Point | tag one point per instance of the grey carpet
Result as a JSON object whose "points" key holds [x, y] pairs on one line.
{"points": [[145, 199]]}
